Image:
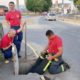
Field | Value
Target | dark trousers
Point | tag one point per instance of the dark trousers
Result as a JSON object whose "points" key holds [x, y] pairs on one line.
{"points": [[55, 67], [40, 64], [7, 53], [18, 39]]}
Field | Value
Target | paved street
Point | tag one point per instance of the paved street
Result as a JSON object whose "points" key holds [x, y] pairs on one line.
{"points": [[71, 39]]}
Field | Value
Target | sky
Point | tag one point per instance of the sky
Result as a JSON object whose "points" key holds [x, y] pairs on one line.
{"points": [[5, 2]]}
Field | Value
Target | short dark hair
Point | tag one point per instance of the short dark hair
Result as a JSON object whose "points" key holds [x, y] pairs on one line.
{"points": [[49, 33], [11, 2]]}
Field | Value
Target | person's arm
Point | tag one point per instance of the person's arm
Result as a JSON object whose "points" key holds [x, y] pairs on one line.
{"points": [[7, 23], [7, 47], [21, 26], [7, 19], [22, 23], [60, 51]]}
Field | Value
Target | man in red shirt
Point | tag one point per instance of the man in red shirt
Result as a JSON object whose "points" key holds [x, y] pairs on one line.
{"points": [[13, 18], [55, 50], [52, 54], [55, 45], [6, 44]]}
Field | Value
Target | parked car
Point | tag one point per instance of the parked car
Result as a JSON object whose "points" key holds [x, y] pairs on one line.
{"points": [[51, 17]]}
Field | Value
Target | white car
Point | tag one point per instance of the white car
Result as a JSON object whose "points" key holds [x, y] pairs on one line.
{"points": [[51, 17]]}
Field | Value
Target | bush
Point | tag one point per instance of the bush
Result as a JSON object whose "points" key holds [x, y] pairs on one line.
{"points": [[77, 3], [1, 35], [38, 5]]}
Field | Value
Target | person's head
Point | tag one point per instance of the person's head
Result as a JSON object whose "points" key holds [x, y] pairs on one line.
{"points": [[12, 33], [11, 5], [49, 34]]}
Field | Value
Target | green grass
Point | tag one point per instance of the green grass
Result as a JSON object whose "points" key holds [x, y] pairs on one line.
{"points": [[1, 30], [1, 56], [1, 34]]}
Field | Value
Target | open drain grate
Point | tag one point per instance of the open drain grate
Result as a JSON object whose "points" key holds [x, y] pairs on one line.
{"points": [[24, 66]]}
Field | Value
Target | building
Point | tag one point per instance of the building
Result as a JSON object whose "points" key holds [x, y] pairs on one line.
{"points": [[66, 6]]}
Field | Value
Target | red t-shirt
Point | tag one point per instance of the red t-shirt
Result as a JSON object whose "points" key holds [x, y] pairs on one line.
{"points": [[54, 44], [14, 17], [5, 42], [0, 43]]}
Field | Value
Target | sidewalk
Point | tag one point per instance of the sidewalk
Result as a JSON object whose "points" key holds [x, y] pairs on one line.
{"points": [[70, 21], [6, 70]]}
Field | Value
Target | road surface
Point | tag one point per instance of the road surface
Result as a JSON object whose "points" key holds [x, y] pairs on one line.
{"points": [[37, 39], [71, 40]]}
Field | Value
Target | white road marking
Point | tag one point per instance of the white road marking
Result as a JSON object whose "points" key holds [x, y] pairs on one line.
{"points": [[42, 76], [32, 49]]}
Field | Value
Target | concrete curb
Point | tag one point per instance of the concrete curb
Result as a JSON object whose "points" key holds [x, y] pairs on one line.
{"points": [[70, 21]]}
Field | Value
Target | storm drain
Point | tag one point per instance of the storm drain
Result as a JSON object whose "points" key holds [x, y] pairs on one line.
{"points": [[25, 66]]}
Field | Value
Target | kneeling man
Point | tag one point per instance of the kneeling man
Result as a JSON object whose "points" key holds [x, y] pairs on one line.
{"points": [[52, 55], [6, 45]]}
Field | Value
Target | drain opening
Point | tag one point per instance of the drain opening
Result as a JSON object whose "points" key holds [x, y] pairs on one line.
{"points": [[25, 66]]}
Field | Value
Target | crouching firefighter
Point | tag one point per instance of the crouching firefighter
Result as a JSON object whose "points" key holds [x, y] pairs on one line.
{"points": [[6, 45], [51, 57]]}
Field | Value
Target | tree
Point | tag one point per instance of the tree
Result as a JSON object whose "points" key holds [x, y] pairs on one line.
{"points": [[38, 5], [77, 3], [48, 4]]}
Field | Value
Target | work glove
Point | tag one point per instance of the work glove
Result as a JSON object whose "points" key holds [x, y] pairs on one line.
{"points": [[43, 54]]}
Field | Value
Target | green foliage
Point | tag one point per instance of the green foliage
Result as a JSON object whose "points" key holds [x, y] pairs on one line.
{"points": [[1, 34], [38, 5], [77, 3], [48, 4], [1, 31], [1, 56]]}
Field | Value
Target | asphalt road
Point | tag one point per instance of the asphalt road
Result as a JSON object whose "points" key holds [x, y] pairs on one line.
{"points": [[71, 40]]}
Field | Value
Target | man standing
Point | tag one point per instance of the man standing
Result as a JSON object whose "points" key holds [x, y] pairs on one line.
{"points": [[13, 18]]}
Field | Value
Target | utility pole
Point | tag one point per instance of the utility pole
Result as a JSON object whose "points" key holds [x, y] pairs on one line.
{"points": [[62, 6], [25, 35], [17, 3]]}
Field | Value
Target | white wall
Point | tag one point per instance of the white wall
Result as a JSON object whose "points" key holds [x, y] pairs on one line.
{"points": [[60, 1]]}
